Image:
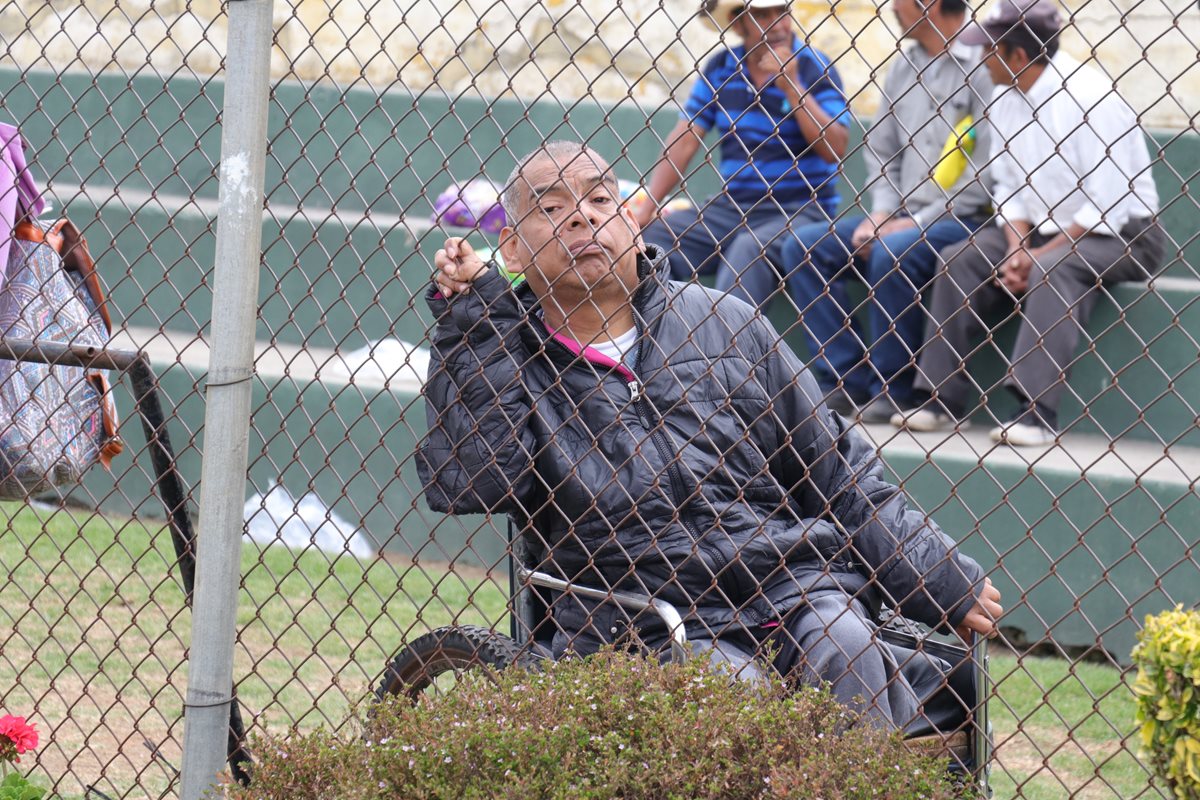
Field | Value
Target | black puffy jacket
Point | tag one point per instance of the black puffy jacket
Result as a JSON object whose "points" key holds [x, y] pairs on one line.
{"points": [[711, 476]]}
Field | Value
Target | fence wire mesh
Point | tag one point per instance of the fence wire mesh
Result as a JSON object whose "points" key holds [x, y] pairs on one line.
{"points": [[377, 112]]}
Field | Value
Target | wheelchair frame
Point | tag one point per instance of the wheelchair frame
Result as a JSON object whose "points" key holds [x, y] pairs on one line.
{"points": [[529, 619]]}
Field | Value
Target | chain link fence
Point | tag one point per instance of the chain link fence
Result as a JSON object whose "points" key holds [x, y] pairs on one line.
{"points": [[374, 113]]}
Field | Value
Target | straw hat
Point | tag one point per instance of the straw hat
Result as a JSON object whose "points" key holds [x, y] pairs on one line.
{"points": [[718, 14]]}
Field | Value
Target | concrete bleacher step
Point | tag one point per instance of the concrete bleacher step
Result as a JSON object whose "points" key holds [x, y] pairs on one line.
{"points": [[391, 153], [354, 149], [351, 441], [331, 279], [341, 279], [1092, 535], [1137, 379]]}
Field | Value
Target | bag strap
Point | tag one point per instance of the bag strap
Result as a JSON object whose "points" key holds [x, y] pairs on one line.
{"points": [[71, 247], [69, 243], [113, 445], [26, 231]]}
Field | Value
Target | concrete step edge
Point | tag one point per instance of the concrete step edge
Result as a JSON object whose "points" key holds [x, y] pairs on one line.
{"points": [[134, 200], [175, 206], [1074, 455], [273, 362]]}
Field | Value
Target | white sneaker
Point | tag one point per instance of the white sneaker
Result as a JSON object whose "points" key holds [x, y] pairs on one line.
{"points": [[1022, 434], [926, 420]]}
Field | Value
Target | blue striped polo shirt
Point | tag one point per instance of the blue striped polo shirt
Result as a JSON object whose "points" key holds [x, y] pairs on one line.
{"points": [[762, 148]]}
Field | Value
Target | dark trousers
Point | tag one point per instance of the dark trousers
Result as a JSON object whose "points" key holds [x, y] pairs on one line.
{"points": [[1064, 286], [880, 356], [726, 234]]}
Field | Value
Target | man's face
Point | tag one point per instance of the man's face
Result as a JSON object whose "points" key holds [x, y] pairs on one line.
{"points": [[573, 235], [764, 26], [1004, 65]]}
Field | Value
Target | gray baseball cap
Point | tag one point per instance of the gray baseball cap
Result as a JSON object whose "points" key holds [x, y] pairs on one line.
{"points": [[1041, 17]]}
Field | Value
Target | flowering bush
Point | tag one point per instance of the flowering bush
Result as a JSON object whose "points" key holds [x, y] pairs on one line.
{"points": [[17, 737], [1168, 690], [610, 726]]}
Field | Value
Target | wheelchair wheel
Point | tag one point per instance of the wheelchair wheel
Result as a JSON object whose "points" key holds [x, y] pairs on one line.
{"points": [[435, 662]]}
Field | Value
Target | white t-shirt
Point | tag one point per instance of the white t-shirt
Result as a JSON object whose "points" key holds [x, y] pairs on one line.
{"points": [[618, 349]]}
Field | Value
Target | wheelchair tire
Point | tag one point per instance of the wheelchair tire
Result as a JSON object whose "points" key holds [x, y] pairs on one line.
{"points": [[452, 649]]}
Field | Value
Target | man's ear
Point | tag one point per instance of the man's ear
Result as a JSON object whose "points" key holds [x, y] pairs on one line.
{"points": [[1013, 57], [737, 26], [631, 221], [510, 249]]}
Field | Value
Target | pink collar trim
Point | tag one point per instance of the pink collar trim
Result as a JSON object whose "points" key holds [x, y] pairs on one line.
{"points": [[591, 354]]}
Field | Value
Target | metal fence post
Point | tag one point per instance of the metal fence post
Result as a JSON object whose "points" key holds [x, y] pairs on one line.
{"points": [[228, 394]]}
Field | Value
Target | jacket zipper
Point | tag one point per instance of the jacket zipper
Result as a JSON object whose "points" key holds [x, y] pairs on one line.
{"points": [[637, 396], [678, 486]]}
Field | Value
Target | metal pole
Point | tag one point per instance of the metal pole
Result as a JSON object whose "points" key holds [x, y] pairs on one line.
{"points": [[228, 395]]}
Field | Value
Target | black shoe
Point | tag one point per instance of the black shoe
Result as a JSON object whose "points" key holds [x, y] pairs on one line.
{"points": [[879, 411], [838, 401]]}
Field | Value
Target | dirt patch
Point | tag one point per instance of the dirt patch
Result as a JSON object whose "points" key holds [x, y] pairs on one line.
{"points": [[1049, 757]]}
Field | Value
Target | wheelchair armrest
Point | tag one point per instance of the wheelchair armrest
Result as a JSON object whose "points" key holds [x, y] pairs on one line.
{"points": [[667, 612], [897, 630]]}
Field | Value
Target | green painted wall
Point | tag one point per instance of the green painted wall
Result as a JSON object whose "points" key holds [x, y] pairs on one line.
{"points": [[1078, 562], [352, 447]]}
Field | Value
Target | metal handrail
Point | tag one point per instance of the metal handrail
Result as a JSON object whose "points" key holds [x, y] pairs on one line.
{"points": [[167, 479]]}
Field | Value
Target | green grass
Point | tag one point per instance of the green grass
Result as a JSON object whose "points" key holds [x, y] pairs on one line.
{"points": [[93, 638], [1064, 729]]}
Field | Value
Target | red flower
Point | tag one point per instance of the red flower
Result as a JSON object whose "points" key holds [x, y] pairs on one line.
{"points": [[22, 735]]}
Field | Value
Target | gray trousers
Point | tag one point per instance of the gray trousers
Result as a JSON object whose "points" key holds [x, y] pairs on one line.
{"points": [[1064, 286], [830, 639]]}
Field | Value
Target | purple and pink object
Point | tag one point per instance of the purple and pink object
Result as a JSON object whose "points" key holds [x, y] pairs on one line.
{"points": [[475, 204], [19, 194]]}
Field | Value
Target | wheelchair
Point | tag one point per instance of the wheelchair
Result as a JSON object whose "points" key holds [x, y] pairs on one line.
{"points": [[957, 726]]}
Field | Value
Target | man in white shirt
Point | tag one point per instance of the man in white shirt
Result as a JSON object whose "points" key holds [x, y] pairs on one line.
{"points": [[1077, 206]]}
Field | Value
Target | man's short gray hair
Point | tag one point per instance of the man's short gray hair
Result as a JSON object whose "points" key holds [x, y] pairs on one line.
{"points": [[563, 152]]}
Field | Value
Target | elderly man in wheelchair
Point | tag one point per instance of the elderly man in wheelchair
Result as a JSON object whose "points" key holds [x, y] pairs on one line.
{"points": [[677, 476]]}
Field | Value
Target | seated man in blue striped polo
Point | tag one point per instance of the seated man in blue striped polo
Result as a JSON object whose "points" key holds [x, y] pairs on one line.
{"points": [[779, 107]]}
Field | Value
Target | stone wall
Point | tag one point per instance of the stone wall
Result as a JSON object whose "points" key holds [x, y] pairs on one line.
{"points": [[646, 51]]}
